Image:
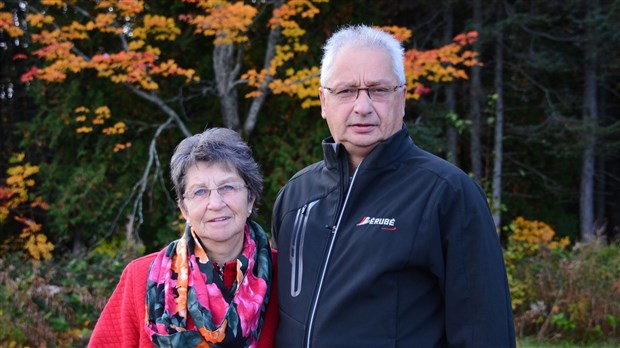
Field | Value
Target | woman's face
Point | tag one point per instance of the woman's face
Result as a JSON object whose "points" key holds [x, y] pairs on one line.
{"points": [[216, 204]]}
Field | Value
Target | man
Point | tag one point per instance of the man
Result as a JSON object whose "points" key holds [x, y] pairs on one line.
{"points": [[382, 244]]}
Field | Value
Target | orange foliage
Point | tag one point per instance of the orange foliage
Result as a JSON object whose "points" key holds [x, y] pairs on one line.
{"points": [[441, 65], [7, 24], [140, 64], [137, 64], [227, 22]]}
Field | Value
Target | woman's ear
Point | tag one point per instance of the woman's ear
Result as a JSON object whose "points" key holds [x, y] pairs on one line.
{"points": [[251, 206], [183, 210]]}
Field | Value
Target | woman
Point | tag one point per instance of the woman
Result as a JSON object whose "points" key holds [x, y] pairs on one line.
{"points": [[214, 286]]}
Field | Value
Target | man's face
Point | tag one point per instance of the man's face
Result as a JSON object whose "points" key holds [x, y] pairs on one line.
{"points": [[361, 124]]}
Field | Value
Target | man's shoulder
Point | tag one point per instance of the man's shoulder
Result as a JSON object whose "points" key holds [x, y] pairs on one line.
{"points": [[439, 168], [435, 164], [308, 170]]}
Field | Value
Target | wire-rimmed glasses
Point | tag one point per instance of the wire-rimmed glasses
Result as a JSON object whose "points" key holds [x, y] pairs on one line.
{"points": [[375, 93], [200, 193]]}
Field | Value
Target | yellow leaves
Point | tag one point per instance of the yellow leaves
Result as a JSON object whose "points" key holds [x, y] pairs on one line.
{"points": [[35, 243], [533, 235], [135, 45], [13, 195], [160, 27], [283, 16], [75, 31], [128, 8], [18, 157], [401, 34], [98, 117], [105, 23], [118, 128], [37, 20], [57, 3], [84, 129], [303, 84], [120, 147], [170, 67], [102, 112], [7, 24], [126, 66], [19, 176]]}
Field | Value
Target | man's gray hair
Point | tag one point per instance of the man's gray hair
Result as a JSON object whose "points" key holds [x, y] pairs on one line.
{"points": [[362, 36]]}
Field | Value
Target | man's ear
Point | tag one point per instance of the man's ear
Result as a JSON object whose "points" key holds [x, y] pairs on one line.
{"points": [[323, 106]]}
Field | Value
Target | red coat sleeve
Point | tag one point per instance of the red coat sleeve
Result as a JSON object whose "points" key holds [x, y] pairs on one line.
{"points": [[272, 314], [121, 324]]}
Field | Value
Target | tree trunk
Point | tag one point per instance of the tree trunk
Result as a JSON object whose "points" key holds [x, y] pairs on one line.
{"points": [[499, 126], [590, 116], [257, 102], [451, 131], [226, 72], [475, 97], [590, 120]]}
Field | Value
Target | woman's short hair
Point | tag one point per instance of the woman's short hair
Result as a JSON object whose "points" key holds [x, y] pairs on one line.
{"points": [[358, 36], [220, 146]]}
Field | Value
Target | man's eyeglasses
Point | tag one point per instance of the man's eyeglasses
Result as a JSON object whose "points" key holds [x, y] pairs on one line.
{"points": [[350, 94], [201, 193]]}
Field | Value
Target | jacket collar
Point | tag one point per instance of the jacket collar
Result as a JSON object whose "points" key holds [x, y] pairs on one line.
{"points": [[384, 154]]}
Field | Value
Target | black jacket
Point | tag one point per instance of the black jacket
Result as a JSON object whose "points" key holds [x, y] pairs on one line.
{"points": [[406, 256]]}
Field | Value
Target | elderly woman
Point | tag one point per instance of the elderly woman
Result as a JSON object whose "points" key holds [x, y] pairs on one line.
{"points": [[214, 286]]}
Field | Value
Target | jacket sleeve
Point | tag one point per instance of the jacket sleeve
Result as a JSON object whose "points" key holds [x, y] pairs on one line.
{"points": [[478, 308], [272, 315], [275, 218], [119, 324]]}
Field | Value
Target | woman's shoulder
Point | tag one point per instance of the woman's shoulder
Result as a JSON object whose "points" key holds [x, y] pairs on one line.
{"points": [[138, 268], [143, 260]]}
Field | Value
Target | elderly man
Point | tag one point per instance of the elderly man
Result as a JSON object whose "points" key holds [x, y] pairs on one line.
{"points": [[382, 244]]}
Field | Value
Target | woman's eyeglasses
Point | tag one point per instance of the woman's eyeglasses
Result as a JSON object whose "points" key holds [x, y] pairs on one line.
{"points": [[201, 193]]}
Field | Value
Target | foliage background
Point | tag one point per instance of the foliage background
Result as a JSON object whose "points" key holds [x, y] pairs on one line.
{"points": [[81, 190]]}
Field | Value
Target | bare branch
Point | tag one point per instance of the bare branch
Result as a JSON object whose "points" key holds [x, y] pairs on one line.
{"points": [[153, 98], [257, 102], [139, 188]]}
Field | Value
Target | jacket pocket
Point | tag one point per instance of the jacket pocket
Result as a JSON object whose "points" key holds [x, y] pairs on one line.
{"points": [[297, 244]]}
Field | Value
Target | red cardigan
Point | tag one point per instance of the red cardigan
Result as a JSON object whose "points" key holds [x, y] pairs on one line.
{"points": [[121, 324]]}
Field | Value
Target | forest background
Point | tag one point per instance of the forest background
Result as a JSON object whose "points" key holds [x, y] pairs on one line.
{"points": [[94, 95]]}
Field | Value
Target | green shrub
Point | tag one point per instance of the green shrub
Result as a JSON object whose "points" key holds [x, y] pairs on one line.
{"points": [[560, 294], [55, 303]]}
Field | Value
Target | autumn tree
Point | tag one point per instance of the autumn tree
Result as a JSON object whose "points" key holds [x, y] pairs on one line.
{"points": [[249, 53]]}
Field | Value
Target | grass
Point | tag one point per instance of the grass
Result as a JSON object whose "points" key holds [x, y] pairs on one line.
{"points": [[528, 342]]}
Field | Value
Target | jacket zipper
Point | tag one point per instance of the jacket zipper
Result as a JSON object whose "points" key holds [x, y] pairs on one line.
{"points": [[296, 255], [326, 263]]}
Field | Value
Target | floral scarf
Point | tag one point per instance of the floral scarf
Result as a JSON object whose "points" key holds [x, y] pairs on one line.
{"points": [[188, 305]]}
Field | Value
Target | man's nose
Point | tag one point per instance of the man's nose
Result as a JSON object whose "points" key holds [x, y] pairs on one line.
{"points": [[363, 103]]}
